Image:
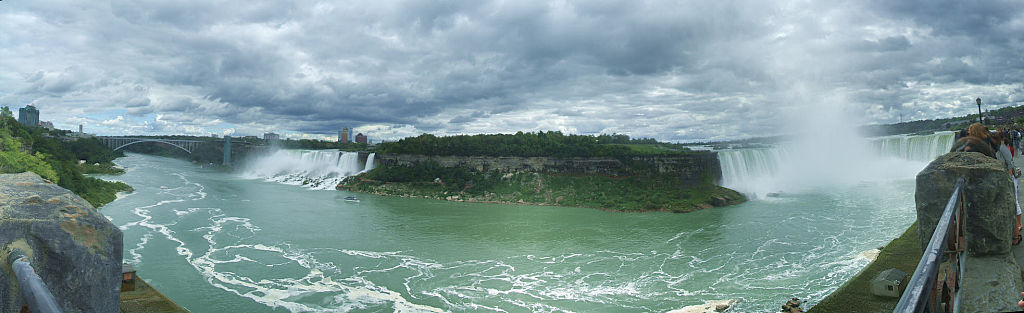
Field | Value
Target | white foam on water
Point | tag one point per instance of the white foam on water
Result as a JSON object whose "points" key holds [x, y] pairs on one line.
{"points": [[273, 292], [350, 293], [191, 210], [136, 255]]}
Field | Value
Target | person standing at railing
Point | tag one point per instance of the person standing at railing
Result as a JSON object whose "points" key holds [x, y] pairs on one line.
{"points": [[1018, 136], [1010, 142], [1004, 155]]}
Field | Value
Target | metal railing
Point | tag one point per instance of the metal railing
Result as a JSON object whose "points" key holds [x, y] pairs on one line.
{"points": [[39, 298], [935, 286]]}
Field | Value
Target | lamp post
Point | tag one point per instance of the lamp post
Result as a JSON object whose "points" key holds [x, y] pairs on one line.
{"points": [[979, 109]]}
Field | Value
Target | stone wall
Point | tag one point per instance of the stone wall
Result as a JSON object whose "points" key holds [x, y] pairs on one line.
{"points": [[690, 167], [988, 193], [74, 249], [991, 277]]}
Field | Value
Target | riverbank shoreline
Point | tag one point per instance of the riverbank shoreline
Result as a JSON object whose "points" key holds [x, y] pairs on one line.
{"points": [[109, 190]]}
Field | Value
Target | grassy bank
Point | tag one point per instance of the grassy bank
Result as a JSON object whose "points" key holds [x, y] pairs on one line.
{"points": [[658, 193], [902, 253], [102, 192]]}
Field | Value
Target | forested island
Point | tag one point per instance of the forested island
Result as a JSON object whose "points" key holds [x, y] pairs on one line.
{"points": [[59, 159], [611, 172]]}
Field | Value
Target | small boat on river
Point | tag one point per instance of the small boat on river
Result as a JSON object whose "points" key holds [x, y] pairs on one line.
{"points": [[351, 199]]}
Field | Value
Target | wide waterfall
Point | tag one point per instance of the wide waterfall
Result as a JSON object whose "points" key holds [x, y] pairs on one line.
{"points": [[780, 169], [316, 169], [752, 171], [915, 148]]}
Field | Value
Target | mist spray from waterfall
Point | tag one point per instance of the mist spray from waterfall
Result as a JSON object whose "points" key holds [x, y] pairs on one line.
{"points": [[826, 151]]}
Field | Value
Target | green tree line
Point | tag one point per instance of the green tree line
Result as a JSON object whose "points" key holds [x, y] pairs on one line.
{"points": [[312, 144], [539, 144], [452, 179], [40, 151]]}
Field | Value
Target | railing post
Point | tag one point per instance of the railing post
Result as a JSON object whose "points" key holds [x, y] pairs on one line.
{"points": [[924, 290], [32, 287]]}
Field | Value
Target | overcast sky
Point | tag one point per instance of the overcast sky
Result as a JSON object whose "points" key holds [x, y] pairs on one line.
{"points": [[672, 70]]}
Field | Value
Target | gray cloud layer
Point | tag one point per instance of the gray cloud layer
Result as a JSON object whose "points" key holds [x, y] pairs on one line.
{"points": [[663, 69]]}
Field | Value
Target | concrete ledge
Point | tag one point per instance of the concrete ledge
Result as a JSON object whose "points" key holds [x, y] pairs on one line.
{"points": [[991, 284]]}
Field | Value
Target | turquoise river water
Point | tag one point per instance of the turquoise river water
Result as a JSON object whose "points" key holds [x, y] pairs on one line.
{"points": [[226, 242]]}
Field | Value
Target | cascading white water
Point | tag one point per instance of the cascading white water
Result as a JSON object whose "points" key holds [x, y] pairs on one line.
{"points": [[757, 172], [316, 169], [746, 170], [915, 148], [369, 162]]}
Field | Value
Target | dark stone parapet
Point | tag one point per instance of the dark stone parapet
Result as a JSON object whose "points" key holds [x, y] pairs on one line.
{"points": [[988, 193], [991, 277], [74, 249]]}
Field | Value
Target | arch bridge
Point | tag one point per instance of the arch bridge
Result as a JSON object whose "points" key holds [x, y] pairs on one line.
{"points": [[116, 143]]}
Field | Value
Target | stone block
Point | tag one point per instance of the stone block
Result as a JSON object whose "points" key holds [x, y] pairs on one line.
{"points": [[74, 249], [991, 284], [988, 193]]}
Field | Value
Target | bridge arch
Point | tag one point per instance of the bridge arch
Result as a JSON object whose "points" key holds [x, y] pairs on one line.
{"points": [[153, 140]]}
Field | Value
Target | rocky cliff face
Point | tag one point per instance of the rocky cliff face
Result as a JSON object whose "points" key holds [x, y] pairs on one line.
{"points": [[73, 248], [691, 167]]}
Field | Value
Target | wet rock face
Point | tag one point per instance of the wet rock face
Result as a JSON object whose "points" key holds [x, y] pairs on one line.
{"points": [[690, 168], [75, 249], [988, 193]]}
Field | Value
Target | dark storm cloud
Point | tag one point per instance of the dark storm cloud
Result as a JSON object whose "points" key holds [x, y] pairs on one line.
{"points": [[669, 70]]}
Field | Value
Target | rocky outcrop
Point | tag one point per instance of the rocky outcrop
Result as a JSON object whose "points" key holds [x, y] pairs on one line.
{"points": [[690, 167], [74, 249], [713, 306], [988, 193]]}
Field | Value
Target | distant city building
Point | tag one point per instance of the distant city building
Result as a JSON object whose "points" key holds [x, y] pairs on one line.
{"points": [[80, 135], [28, 116], [344, 135], [250, 138], [214, 135], [360, 138], [46, 124], [271, 136], [80, 128]]}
